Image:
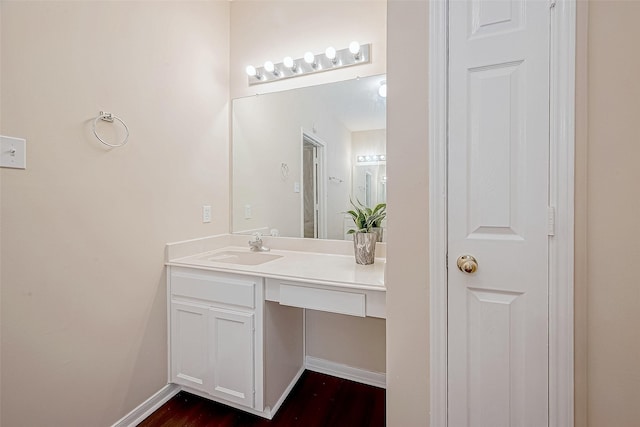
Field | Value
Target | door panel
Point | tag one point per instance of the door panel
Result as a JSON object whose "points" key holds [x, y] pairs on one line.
{"points": [[496, 329], [494, 145], [189, 345], [498, 196], [232, 355]]}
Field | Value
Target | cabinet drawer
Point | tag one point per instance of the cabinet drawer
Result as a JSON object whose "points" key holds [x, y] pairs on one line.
{"points": [[298, 295], [214, 287]]}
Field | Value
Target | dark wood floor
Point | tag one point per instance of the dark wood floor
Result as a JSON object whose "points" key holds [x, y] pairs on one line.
{"points": [[317, 400]]}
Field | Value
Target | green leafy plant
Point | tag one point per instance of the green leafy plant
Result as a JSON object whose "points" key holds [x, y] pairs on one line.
{"points": [[366, 218]]}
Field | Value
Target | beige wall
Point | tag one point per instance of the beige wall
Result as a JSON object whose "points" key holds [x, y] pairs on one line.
{"points": [[407, 243], [613, 213], [84, 227], [270, 30]]}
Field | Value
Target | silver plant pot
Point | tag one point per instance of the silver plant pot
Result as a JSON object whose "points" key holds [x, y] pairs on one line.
{"points": [[378, 230], [364, 247]]}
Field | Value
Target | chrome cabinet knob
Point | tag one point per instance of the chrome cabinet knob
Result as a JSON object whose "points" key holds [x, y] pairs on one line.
{"points": [[467, 264]]}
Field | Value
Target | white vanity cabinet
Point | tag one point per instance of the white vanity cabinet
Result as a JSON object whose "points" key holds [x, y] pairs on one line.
{"points": [[226, 343], [216, 334]]}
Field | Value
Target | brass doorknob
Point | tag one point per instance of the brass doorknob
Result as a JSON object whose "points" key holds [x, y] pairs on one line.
{"points": [[467, 264]]}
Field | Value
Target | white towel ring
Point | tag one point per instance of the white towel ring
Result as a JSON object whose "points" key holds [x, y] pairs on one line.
{"points": [[108, 117]]}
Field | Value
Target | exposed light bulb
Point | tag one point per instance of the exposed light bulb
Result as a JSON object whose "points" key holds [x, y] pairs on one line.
{"points": [[383, 157], [331, 53], [269, 67], [288, 62], [361, 158], [382, 90], [251, 71], [309, 58], [354, 48]]}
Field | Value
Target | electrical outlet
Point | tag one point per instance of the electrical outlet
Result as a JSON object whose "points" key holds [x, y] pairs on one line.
{"points": [[247, 211], [206, 213]]}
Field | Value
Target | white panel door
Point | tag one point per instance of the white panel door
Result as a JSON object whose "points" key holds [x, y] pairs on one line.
{"points": [[232, 355], [498, 197], [189, 345]]}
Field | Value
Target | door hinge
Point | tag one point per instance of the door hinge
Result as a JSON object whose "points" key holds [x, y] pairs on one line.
{"points": [[551, 221]]}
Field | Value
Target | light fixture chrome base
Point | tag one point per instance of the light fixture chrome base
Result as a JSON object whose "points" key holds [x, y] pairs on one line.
{"points": [[344, 58]]}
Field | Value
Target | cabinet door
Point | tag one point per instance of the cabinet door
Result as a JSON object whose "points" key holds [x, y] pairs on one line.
{"points": [[189, 345], [232, 355]]}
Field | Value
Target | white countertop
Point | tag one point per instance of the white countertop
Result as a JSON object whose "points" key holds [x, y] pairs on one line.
{"points": [[332, 269]]}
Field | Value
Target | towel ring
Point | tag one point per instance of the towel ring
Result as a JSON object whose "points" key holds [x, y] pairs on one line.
{"points": [[108, 117]]}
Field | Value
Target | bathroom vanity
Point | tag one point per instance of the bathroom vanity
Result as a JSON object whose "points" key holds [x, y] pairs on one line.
{"points": [[236, 317]]}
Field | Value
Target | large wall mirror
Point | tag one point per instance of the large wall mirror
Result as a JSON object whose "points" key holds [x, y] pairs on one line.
{"points": [[299, 155]]}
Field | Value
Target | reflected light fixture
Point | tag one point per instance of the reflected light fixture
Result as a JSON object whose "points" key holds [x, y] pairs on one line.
{"points": [[333, 59], [372, 158], [382, 90]]}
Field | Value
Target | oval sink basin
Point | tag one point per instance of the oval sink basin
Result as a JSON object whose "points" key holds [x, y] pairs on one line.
{"points": [[241, 257]]}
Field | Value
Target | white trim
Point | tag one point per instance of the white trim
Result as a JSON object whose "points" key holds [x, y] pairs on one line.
{"points": [[272, 411], [149, 406], [438, 76], [377, 379], [561, 250], [561, 246], [162, 396], [321, 174]]}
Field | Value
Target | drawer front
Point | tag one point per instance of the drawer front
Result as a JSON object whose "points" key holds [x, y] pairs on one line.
{"points": [[351, 303], [213, 287]]}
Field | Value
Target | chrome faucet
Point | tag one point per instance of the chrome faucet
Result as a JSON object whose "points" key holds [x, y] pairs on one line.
{"points": [[255, 245]]}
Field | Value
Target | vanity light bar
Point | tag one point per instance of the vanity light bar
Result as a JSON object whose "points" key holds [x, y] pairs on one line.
{"points": [[372, 158], [331, 59]]}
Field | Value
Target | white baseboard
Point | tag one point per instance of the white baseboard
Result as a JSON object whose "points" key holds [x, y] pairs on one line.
{"points": [[274, 409], [377, 379], [146, 408]]}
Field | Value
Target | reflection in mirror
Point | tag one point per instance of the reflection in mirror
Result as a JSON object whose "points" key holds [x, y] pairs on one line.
{"points": [[299, 155]]}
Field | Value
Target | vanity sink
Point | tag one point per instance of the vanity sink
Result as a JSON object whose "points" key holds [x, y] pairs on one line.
{"points": [[241, 257]]}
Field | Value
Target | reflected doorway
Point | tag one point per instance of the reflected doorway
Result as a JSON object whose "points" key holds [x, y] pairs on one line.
{"points": [[313, 188]]}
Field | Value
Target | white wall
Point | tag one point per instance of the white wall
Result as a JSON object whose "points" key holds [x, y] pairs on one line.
{"points": [[270, 30], [84, 228]]}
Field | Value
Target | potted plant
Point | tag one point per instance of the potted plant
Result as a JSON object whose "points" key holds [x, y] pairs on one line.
{"points": [[365, 235], [380, 213]]}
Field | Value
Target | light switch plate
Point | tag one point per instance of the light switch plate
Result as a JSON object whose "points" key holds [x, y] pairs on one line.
{"points": [[13, 152]]}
